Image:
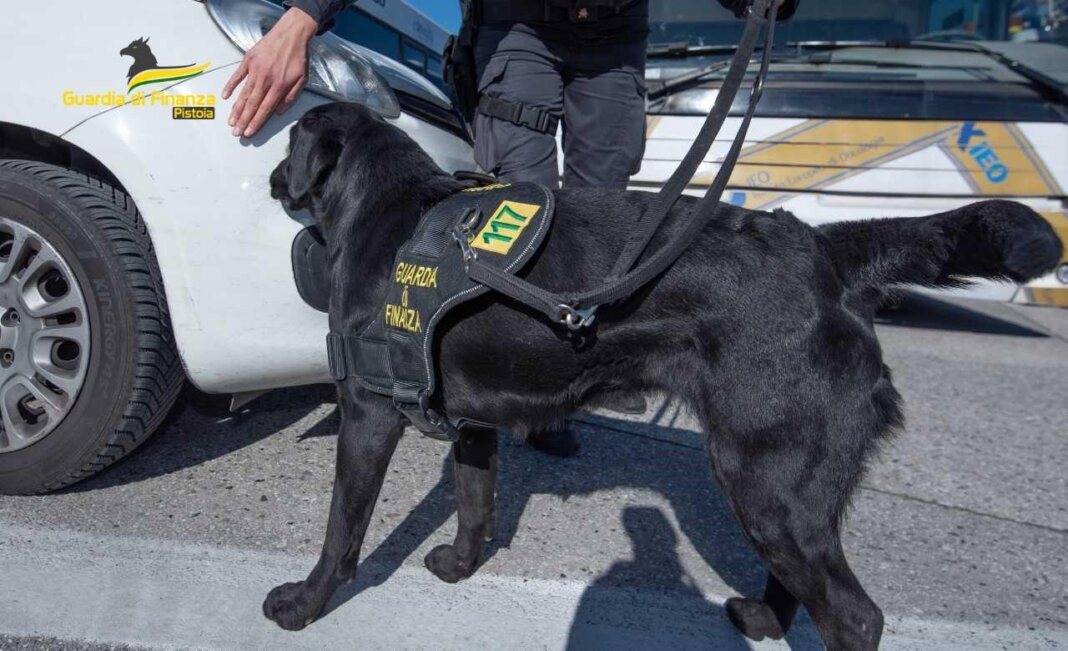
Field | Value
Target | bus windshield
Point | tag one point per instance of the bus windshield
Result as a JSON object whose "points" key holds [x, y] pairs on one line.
{"points": [[706, 23]]}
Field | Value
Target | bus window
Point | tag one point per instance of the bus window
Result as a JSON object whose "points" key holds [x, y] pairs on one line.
{"points": [[434, 69], [414, 56], [356, 26]]}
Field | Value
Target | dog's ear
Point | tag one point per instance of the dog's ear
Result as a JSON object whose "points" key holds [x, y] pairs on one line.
{"points": [[312, 157]]}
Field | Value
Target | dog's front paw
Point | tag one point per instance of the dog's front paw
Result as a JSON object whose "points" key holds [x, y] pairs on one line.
{"points": [[755, 619], [445, 565], [291, 606]]}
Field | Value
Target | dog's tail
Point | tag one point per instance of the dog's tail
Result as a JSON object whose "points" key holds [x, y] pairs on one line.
{"points": [[1001, 240]]}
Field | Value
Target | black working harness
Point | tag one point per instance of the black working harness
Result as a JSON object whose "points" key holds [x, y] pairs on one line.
{"points": [[480, 238], [501, 226]]}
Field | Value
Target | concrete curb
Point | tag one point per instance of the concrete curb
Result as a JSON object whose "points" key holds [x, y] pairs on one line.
{"points": [[165, 594]]}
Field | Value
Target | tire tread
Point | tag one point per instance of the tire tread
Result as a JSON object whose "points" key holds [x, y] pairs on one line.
{"points": [[158, 376]]}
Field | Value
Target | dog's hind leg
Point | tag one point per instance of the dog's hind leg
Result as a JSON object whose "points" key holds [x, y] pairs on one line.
{"points": [[788, 486], [370, 430], [475, 458]]}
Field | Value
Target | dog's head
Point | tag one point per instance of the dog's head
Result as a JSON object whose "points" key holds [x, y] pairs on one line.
{"points": [[316, 143]]}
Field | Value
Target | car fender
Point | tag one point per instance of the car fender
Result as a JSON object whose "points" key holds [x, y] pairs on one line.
{"points": [[223, 245]]}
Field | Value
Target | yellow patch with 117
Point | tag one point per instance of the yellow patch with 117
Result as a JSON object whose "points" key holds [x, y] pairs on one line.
{"points": [[503, 229]]}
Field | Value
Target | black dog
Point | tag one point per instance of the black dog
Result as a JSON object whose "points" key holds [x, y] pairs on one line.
{"points": [[763, 327]]}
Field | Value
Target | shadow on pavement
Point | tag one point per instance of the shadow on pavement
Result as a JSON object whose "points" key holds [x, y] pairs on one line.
{"points": [[921, 311], [201, 427], [601, 623], [616, 454], [671, 463]]}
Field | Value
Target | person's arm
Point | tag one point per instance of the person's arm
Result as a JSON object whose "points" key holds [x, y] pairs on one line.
{"points": [[741, 7], [322, 11], [275, 68]]}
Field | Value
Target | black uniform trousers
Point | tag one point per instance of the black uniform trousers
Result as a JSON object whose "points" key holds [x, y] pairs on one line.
{"points": [[595, 85]]}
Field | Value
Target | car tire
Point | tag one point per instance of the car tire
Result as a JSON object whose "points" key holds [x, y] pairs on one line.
{"points": [[91, 237]]}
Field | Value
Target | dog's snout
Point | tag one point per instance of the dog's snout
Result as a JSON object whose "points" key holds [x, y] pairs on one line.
{"points": [[278, 181]]}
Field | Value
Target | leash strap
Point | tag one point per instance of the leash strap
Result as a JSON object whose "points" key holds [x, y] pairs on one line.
{"points": [[681, 177], [578, 310]]}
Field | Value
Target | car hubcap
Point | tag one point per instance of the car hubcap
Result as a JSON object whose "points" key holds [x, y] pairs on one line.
{"points": [[44, 337]]}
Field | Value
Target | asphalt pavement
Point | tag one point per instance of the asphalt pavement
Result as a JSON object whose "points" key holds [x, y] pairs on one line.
{"points": [[960, 531]]}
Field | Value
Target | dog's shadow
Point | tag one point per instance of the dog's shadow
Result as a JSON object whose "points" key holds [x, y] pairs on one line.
{"points": [[915, 310], [669, 462]]}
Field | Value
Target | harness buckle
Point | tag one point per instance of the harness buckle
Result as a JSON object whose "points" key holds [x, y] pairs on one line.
{"points": [[446, 431], [462, 233], [576, 319], [427, 420]]}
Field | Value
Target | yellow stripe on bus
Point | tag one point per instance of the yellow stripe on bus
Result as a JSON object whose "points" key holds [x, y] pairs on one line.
{"points": [[993, 157], [1047, 296]]}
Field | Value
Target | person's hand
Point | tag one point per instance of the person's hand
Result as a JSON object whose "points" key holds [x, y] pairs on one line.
{"points": [[274, 71]]}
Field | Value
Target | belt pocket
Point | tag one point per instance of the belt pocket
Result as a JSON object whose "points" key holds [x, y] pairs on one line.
{"points": [[638, 147], [486, 141], [639, 84], [492, 73]]}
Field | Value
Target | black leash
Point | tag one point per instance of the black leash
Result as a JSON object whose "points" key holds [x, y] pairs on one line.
{"points": [[577, 310]]}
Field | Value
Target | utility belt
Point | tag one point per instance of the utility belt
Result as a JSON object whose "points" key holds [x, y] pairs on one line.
{"points": [[580, 12]]}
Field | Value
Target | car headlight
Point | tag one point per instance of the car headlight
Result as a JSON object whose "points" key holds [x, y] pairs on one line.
{"points": [[335, 69]]}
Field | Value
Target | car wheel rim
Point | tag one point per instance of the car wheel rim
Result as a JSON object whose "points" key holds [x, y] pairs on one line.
{"points": [[44, 337]]}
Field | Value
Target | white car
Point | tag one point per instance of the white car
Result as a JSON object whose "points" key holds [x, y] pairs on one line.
{"points": [[138, 242]]}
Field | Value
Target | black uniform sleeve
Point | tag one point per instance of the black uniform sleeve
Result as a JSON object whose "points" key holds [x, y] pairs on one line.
{"points": [[323, 11], [739, 7]]}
